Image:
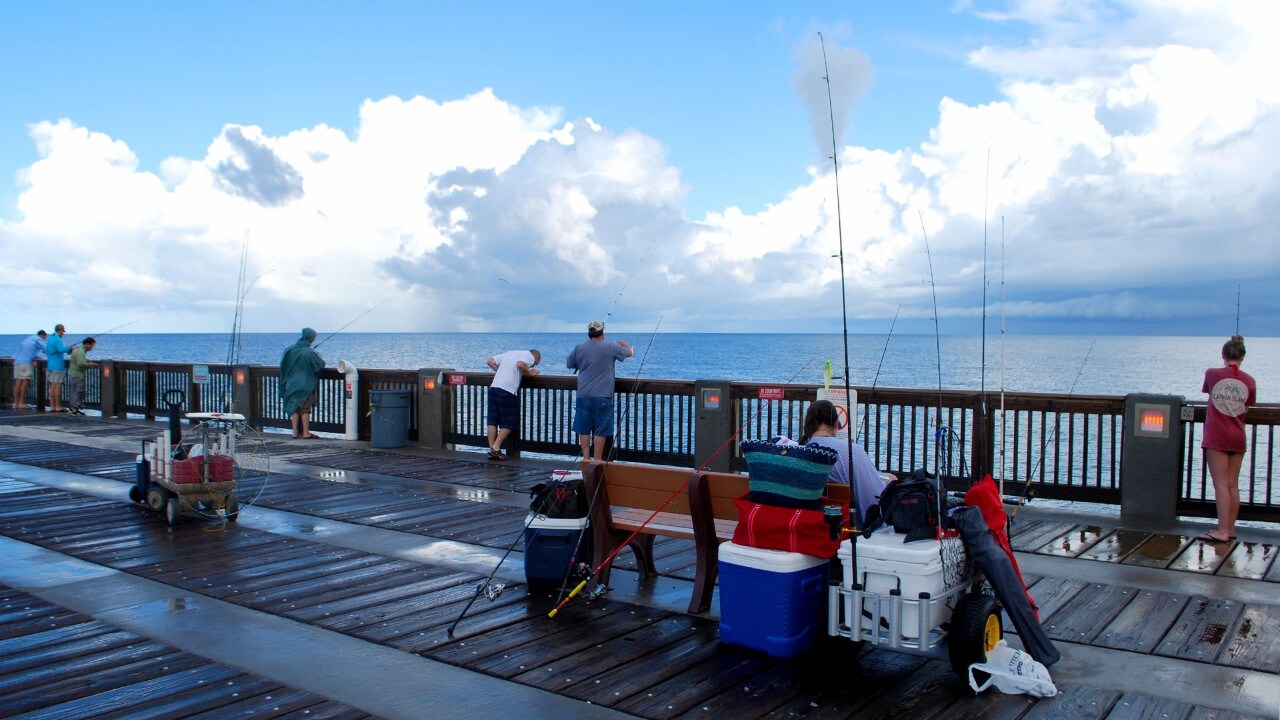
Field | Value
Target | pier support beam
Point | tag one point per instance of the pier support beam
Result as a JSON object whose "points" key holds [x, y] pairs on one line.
{"points": [[1151, 468], [435, 407], [714, 423], [6, 383]]}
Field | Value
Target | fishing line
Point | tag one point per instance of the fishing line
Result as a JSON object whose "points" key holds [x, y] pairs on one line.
{"points": [[385, 300], [606, 562], [937, 334], [865, 431], [613, 451], [1027, 495], [639, 264]]}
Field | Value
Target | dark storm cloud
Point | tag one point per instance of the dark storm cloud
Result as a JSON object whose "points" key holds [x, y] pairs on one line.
{"points": [[256, 173]]}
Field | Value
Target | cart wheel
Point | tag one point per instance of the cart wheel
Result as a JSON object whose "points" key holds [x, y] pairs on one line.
{"points": [[975, 630], [156, 498], [173, 510], [135, 493], [233, 509]]}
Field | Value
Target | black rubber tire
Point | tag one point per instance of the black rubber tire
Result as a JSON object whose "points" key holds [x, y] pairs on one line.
{"points": [[156, 498], [173, 510], [135, 494], [233, 509], [975, 628]]}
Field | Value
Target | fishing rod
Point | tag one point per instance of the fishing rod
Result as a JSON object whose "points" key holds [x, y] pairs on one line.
{"points": [[108, 332], [854, 520], [1003, 431], [866, 417], [608, 560], [613, 451], [487, 587], [937, 337], [1237, 309], [1027, 495], [639, 264], [385, 300]]}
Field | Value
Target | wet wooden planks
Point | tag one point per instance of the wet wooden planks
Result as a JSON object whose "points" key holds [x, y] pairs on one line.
{"points": [[90, 668]]}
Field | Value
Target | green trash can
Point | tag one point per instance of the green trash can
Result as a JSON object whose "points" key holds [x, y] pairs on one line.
{"points": [[389, 421]]}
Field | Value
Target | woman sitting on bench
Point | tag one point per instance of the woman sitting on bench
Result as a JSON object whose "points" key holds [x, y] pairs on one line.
{"points": [[820, 429]]}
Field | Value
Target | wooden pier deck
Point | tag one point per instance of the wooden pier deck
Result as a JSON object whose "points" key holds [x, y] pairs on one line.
{"points": [[1158, 607]]}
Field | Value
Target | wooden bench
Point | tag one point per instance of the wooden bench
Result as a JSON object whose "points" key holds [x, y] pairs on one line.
{"points": [[624, 496]]}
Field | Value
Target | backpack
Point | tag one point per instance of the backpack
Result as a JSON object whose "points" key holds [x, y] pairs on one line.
{"points": [[561, 498], [912, 506]]}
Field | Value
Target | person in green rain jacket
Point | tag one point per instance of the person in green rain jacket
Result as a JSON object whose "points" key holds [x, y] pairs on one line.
{"points": [[300, 368]]}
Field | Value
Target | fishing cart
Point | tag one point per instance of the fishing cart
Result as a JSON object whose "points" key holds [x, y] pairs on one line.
{"points": [[924, 598], [207, 471]]}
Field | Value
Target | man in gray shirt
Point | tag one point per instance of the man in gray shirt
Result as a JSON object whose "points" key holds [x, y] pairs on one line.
{"points": [[593, 411]]}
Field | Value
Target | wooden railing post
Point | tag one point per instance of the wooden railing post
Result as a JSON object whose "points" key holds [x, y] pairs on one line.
{"points": [[42, 384], [983, 451], [242, 394], [151, 393]]}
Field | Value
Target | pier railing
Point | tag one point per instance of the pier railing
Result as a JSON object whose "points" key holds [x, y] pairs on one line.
{"points": [[1047, 445]]}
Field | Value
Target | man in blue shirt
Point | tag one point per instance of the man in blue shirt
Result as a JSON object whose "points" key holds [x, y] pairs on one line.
{"points": [[24, 368], [56, 348], [593, 410]]}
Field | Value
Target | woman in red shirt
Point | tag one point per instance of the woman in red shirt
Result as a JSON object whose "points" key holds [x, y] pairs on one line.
{"points": [[1230, 390]]}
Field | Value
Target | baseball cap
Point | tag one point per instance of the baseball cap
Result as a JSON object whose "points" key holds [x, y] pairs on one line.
{"points": [[595, 326]]}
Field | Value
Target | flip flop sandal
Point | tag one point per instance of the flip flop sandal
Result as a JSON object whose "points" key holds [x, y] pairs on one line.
{"points": [[1206, 537]]}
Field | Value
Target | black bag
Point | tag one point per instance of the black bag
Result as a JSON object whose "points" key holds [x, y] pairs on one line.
{"points": [[912, 506], [560, 499]]}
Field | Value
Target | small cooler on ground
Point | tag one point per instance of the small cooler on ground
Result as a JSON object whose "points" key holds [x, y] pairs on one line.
{"points": [[771, 600], [885, 564], [549, 545]]}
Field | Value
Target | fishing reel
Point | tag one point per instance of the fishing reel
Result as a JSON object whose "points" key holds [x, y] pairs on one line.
{"points": [[491, 590], [597, 591]]}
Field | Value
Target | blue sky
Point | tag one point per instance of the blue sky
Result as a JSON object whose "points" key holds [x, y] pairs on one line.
{"points": [[511, 166]]}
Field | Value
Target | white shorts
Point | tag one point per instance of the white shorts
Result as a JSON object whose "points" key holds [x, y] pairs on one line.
{"points": [[57, 377], [24, 372]]}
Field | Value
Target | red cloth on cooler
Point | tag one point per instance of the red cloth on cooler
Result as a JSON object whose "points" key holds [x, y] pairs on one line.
{"points": [[791, 529]]}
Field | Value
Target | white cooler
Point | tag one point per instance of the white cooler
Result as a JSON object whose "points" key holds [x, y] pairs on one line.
{"points": [[886, 563]]}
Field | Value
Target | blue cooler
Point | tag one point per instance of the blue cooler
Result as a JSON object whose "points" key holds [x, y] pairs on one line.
{"points": [[771, 600], [548, 548]]}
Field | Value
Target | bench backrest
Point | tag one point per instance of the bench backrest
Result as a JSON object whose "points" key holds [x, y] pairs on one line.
{"points": [[648, 486]]}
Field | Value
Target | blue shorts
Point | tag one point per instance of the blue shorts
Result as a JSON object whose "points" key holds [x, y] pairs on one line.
{"points": [[593, 416], [504, 408]]}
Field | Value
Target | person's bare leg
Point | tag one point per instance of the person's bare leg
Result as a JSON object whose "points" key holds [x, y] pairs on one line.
{"points": [[491, 431], [599, 448], [55, 397], [293, 420], [501, 438], [20, 394], [1224, 489], [305, 419], [585, 442], [1233, 474]]}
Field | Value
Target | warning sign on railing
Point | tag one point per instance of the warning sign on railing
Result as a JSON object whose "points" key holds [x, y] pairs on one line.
{"points": [[771, 393], [457, 379]]}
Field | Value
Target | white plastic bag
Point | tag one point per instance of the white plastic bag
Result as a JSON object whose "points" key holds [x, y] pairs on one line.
{"points": [[1013, 672]]}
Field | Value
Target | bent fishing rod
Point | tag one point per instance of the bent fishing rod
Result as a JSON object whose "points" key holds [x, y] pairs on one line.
{"points": [[937, 340], [609, 559]]}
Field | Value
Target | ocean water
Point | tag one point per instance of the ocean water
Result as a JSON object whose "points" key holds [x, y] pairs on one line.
{"points": [[1105, 365]]}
